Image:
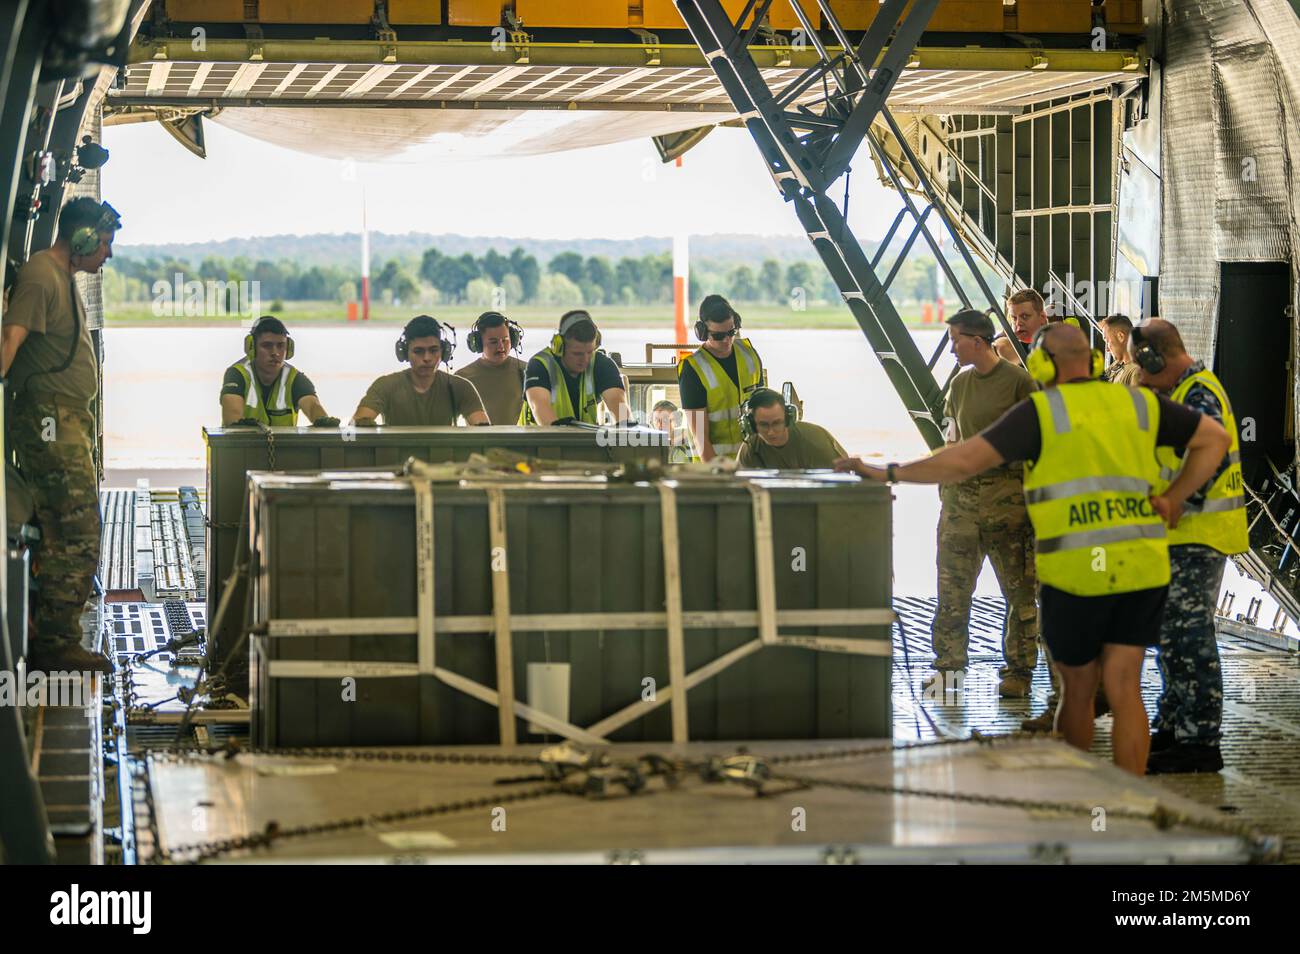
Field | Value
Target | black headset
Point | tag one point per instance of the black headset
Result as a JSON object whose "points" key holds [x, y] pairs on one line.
{"points": [[403, 346], [474, 340], [702, 326], [1147, 357], [747, 426]]}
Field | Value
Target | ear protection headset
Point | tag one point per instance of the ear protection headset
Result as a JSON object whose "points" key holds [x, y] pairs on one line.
{"points": [[1148, 358], [474, 340], [702, 327], [402, 348], [748, 428], [566, 324], [85, 239], [250, 340], [1042, 366]]}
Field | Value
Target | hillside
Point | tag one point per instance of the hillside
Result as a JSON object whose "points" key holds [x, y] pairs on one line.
{"points": [[344, 249]]}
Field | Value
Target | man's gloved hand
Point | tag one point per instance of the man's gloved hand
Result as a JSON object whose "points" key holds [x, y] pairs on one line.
{"points": [[245, 422], [366, 422], [562, 421], [325, 422]]}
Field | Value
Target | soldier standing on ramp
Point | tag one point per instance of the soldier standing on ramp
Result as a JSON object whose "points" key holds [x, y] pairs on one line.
{"points": [[50, 360], [984, 515]]}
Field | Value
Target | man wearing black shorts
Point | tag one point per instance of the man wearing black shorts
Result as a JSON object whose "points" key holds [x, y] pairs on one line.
{"points": [[1101, 549]]}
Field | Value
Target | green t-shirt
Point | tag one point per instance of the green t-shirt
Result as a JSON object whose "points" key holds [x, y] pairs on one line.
{"points": [[810, 447], [44, 302], [395, 399], [977, 400], [501, 387]]}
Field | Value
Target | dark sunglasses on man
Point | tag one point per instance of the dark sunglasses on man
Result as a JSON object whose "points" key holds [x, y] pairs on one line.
{"points": [[723, 335]]}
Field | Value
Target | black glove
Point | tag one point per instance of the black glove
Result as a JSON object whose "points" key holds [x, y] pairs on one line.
{"points": [[367, 422], [562, 421], [325, 422], [245, 422]]}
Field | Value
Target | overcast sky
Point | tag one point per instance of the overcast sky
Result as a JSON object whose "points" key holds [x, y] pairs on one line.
{"points": [[247, 187]]}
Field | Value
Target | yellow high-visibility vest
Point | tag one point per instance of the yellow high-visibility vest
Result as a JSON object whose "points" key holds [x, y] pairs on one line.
{"points": [[1088, 492], [1219, 521], [724, 397], [560, 401], [281, 413]]}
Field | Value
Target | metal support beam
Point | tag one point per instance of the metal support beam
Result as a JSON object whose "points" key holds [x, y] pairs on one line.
{"points": [[24, 826], [805, 166], [886, 74]]}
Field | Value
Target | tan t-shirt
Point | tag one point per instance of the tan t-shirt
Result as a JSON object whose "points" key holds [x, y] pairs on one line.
{"points": [[43, 301], [810, 447], [501, 387], [1128, 374], [394, 397], [977, 400]]}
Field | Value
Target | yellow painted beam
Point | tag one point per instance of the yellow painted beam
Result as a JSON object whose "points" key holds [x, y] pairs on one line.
{"points": [[682, 56]]}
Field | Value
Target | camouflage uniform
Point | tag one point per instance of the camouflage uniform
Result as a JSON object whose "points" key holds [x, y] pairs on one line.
{"points": [[1191, 704], [986, 516], [55, 447]]}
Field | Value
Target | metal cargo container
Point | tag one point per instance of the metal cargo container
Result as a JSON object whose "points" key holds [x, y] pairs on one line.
{"points": [[366, 639], [233, 452]]}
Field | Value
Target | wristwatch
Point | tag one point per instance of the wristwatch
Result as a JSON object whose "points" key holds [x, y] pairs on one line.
{"points": [[890, 476]]}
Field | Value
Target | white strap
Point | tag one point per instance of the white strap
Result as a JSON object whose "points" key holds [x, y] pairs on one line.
{"points": [[501, 615], [424, 607], [673, 605], [764, 563]]}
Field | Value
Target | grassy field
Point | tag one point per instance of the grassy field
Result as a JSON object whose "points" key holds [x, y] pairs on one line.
{"points": [[138, 315]]}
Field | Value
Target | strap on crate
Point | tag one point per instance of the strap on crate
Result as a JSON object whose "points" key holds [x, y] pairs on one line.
{"points": [[764, 563], [673, 607]]}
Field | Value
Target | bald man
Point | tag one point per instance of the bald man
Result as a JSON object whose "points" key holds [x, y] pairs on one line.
{"points": [[1189, 715], [1101, 551]]}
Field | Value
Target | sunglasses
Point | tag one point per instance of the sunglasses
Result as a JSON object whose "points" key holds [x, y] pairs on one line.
{"points": [[723, 335]]}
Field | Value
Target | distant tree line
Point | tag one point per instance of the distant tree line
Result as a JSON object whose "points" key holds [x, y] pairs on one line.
{"points": [[496, 280]]}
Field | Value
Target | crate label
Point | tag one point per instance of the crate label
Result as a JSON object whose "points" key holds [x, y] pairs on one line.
{"points": [[416, 840], [548, 691], [292, 770], [1045, 758]]}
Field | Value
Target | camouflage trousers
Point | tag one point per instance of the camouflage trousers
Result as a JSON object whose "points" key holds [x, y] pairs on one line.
{"points": [[55, 448], [982, 517], [1191, 703]]}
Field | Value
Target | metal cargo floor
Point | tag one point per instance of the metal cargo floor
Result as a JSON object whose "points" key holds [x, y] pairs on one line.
{"points": [[213, 799], [1260, 782]]}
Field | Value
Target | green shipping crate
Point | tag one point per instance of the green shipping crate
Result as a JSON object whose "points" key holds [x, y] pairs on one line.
{"points": [[354, 655], [233, 452]]}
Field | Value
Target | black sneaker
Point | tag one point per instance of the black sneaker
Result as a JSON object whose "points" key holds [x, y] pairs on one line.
{"points": [[67, 659], [1185, 758], [1161, 740]]}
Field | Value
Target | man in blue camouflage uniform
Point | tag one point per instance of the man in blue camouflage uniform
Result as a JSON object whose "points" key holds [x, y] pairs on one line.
{"points": [[1213, 526]]}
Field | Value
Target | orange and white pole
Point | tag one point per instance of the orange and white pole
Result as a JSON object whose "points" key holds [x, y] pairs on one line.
{"points": [[681, 285], [365, 260]]}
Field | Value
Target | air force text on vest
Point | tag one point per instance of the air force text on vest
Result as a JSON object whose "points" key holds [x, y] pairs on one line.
{"points": [[1109, 510], [77, 907]]}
